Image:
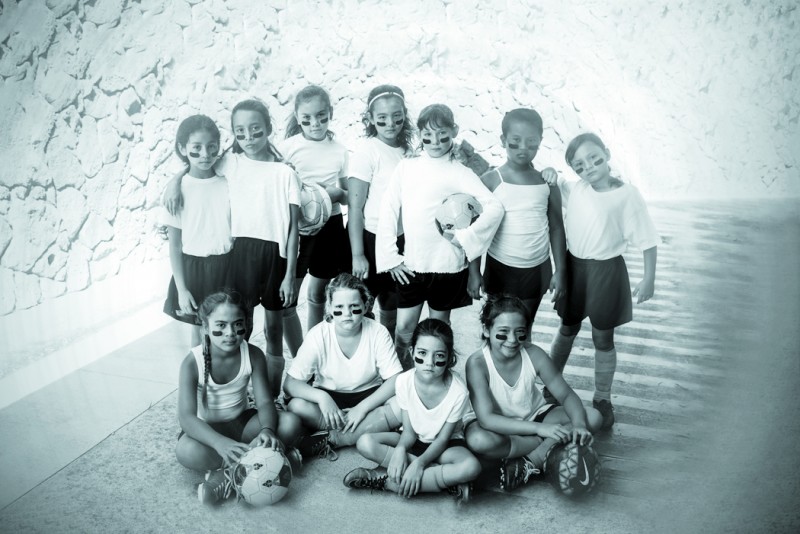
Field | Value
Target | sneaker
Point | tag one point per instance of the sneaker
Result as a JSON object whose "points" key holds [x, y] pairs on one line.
{"points": [[217, 487], [517, 471], [317, 444], [363, 478], [295, 459], [548, 397], [462, 492], [606, 410]]}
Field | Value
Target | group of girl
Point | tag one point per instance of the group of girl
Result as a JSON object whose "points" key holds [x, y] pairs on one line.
{"points": [[233, 222]]}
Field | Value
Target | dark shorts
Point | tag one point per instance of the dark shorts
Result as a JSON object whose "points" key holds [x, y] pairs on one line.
{"points": [[232, 429], [203, 276], [598, 289], [327, 253], [526, 283], [420, 447], [257, 271], [541, 415], [442, 291], [379, 283], [344, 399]]}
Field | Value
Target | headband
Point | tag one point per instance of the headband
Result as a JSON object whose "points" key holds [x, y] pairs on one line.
{"points": [[381, 95]]}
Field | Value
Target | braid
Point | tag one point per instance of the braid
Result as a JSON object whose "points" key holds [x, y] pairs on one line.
{"points": [[207, 372]]}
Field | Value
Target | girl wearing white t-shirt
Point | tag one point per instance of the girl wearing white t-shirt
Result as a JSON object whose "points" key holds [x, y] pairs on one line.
{"points": [[318, 159], [430, 455], [603, 216], [352, 361], [389, 136], [442, 270], [265, 203], [200, 235]]}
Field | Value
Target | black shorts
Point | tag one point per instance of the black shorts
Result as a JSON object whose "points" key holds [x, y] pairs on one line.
{"points": [[420, 447], [327, 253], [541, 415], [346, 399], [598, 289], [526, 283], [203, 276], [232, 429], [442, 291], [379, 283], [257, 271]]}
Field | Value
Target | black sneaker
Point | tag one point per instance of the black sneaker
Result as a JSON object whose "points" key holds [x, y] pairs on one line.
{"points": [[606, 410], [216, 487], [317, 444], [363, 478], [462, 492], [515, 472]]}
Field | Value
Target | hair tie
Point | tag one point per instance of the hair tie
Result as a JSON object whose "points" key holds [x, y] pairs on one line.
{"points": [[387, 93]]}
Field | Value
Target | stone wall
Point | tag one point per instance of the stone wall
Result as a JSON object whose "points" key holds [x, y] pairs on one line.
{"points": [[694, 100]]}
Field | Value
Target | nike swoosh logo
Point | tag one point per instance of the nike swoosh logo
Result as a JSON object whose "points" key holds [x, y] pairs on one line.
{"points": [[585, 481]]}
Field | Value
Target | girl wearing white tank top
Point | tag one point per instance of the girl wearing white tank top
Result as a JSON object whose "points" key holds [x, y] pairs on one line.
{"points": [[511, 421], [518, 260]]}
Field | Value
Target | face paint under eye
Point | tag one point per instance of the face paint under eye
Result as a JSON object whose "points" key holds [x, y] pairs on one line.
{"points": [[504, 337], [216, 333], [354, 311], [442, 141], [439, 363], [240, 331], [194, 155], [382, 124]]}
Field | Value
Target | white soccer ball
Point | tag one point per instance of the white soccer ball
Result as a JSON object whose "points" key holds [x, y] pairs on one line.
{"points": [[315, 208], [457, 211], [262, 476]]}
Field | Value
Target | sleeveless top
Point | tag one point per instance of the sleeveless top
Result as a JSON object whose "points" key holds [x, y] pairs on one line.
{"points": [[523, 238], [521, 400], [225, 401]]}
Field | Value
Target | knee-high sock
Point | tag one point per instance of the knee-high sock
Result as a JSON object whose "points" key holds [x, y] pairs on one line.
{"points": [[402, 341], [275, 365], [433, 479], [522, 445], [539, 454], [560, 349], [605, 364]]}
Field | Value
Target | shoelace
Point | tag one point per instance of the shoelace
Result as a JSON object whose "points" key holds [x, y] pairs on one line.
{"points": [[323, 449], [224, 488], [376, 483]]}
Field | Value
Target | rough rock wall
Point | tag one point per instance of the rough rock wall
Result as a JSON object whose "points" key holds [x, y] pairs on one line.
{"points": [[693, 99]]}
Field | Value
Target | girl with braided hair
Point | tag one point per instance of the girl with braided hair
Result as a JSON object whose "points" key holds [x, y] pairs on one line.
{"points": [[217, 425]]}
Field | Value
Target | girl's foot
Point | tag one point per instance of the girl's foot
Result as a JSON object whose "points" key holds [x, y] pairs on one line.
{"points": [[514, 472], [462, 492], [606, 410], [217, 487], [317, 444], [363, 478]]}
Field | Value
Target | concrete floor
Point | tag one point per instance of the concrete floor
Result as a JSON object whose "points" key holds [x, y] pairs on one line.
{"points": [[705, 395]]}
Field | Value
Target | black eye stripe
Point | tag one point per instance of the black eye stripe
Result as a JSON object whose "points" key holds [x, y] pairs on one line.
{"points": [[436, 363], [504, 337]]}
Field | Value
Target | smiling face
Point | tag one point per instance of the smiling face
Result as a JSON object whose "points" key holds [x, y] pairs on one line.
{"points": [[347, 309], [590, 162], [225, 327], [387, 115], [201, 149], [430, 357], [313, 116], [251, 133], [521, 142], [506, 334]]}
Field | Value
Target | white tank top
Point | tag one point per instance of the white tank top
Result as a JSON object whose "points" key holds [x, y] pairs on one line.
{"points": [[225, 401], [521, 400], [523, 238]]}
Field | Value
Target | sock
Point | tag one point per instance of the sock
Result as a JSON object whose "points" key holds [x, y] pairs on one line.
{"points": [[402, 340], [316, 311], [560, 349], [605, 364], [433, 479], [292, 331], [539, 454], [522, 445], [275, 365]]}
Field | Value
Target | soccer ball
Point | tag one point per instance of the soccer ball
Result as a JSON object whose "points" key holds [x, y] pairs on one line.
{"points": [[457, 211], [572, 469], [262, 476], [315, 208]]}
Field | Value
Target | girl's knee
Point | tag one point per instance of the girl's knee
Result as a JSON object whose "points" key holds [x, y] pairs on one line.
{"points": [[471, 467], [594, 419], [603, 339], [569, 329], [479, 440], [366, 445], [289, 426]]}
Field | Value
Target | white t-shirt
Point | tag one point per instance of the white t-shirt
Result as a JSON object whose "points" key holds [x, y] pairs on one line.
{"points": [[374, 360], [225, 401], [205, 220], [260, 193], [600, 225], [418, 186], [316, 162], [428, 423], [374, 162]]}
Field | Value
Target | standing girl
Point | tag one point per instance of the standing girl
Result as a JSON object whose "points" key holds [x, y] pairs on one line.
{"points": [[511, 420], [217, 427], [265, 199], [389, 133], [432, 268], [430, 454], [518, 260], [603, 216], [319, 159], [199, 236], [352, 361]]}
